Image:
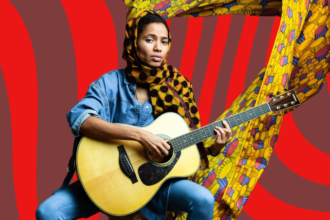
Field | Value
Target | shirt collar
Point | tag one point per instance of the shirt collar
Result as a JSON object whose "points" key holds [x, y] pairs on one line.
{"points": [[126, 79]]}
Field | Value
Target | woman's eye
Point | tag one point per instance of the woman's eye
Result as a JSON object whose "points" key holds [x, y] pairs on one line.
{"points": [[165, 42], [149, 40]]}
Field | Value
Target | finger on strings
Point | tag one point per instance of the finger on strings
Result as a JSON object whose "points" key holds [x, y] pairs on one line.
{"points": [[166, 145], [158, 152], [216, 132], [225, 123], [223, 133], [227, 127], [164, 151], [227, 131]]}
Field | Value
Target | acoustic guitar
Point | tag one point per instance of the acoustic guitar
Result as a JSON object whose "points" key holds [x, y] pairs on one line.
{"points": [[120, 176]]}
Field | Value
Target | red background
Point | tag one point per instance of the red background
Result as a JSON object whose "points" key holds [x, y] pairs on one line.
{"points": [[50, 51]]}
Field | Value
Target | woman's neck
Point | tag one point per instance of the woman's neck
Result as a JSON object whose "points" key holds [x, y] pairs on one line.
{"points": [[142, 92]]}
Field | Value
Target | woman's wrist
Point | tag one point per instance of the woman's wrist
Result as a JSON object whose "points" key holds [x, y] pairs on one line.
{"points": [[139, 134], [213, 152]]}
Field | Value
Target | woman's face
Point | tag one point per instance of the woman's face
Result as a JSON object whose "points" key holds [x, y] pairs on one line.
{"points": [[152, 44]]}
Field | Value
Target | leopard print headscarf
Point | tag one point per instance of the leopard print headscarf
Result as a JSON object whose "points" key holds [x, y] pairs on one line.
{"points": [[162, 80]]}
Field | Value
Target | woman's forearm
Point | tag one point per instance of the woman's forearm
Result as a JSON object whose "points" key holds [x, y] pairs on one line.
{"points": [[99, 129]]}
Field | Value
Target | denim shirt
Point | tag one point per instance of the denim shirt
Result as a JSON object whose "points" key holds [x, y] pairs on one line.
{"points": [[112, 98]]}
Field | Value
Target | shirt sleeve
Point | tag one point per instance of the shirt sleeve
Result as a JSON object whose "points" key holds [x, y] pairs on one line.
{"points": [[92, 104]]}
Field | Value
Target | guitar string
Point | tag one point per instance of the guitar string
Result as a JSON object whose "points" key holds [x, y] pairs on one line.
{"points": [[259, 110]]}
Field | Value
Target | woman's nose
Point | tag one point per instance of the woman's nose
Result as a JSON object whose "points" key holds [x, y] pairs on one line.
{"points": [[157, 46]]}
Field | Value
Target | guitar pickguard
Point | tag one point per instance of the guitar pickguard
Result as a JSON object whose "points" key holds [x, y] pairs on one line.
{"points": [[151, 174]]}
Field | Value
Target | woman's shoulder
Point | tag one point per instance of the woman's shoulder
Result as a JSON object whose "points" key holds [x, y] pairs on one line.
{"points": [[113, 77]]}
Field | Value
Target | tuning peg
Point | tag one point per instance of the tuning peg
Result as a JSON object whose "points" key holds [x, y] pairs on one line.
{"points": [[285, 90], [271, 95], [289, 110], [278, 92]]}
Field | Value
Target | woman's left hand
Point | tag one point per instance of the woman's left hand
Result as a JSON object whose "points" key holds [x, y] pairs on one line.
{"points": [[223, 137]]}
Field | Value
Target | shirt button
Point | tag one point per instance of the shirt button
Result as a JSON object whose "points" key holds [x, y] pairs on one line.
{"points": [[147, 106]]}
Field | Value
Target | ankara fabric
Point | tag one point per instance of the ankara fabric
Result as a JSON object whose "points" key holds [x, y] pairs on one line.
{"points": [[300, 60]]}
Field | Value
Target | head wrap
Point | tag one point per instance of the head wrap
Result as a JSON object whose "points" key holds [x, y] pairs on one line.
{"points": [[169, 90], [162, 80]]}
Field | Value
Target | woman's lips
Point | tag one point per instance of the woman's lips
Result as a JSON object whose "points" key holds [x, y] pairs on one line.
{"points": [[156, 58]]}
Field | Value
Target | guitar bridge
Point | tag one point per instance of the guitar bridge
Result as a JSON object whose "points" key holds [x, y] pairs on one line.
{"points": [[126, 165]]}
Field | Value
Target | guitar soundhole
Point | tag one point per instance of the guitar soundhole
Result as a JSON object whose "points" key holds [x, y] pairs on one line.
{"points": [[162, 160], [152, 172]]}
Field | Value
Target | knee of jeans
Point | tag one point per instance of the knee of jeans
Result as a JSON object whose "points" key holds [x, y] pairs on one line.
{"points": [[205, 199], [209, 198], [45, 211], [40, 213]]}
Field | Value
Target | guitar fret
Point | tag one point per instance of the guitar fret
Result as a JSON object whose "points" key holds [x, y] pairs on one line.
{"points": [[205, 132], [231, 122], [180, 144], [267, 108], [235, 122], [254, 112], [219, 124], [255, 115], [245, 116], [210, 129], [175, 143]]}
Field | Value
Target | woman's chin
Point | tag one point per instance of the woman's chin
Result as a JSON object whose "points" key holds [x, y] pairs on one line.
{"points": [[155, 64]]}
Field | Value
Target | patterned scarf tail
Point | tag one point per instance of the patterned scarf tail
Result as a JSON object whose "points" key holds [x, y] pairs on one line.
{"points": [[299, 60]]}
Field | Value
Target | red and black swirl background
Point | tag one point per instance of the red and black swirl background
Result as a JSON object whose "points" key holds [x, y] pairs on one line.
{"points": [[50, 51]]}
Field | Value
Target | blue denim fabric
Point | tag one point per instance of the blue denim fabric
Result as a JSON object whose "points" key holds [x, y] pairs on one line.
{"points": [[111, 98], [72, 202]]}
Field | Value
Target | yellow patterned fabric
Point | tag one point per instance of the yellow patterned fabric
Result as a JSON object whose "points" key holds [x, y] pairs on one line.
{"points": [[162, 97], [300, 59], [202, 8]]}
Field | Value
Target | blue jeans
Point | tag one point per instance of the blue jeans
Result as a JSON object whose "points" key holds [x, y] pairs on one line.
{"points": [[192, 198], [72, 202]]}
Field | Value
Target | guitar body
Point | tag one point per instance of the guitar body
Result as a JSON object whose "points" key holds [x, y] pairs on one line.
{"points": [[111, 189], [120, 177]]}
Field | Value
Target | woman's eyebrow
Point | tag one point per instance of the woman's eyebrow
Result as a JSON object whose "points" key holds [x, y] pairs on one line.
{"points": [[154, 35]]}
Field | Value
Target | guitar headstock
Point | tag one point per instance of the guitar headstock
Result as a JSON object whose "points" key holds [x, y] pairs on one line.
{"points": [[284, 101]]}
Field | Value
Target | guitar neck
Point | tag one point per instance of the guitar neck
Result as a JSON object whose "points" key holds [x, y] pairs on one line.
{"points": [[205, 132]]}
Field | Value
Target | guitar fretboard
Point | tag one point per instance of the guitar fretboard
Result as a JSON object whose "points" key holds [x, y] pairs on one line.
{"points": [[205, 132]]}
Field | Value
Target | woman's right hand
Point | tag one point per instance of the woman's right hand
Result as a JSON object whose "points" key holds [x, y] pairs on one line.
{"points": [[154, 144]]}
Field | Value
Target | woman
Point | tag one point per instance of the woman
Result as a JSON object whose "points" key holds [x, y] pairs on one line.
{"points": [[123, 96]]}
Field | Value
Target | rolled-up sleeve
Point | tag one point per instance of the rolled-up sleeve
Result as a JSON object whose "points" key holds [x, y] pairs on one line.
{"points": [[92, 104]]}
